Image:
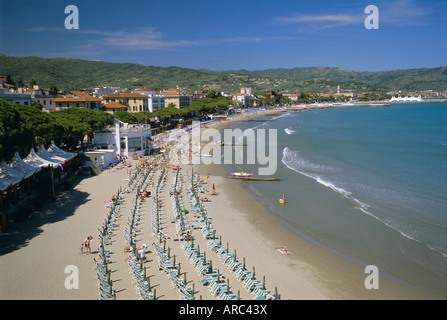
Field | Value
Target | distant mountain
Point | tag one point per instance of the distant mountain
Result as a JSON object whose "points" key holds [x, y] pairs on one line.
{"points": [[69, 73], [409, 79], [78, 74]]}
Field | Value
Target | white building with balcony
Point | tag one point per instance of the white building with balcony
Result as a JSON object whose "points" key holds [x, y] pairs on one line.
{"points": [[125, 139], [155, 101]]}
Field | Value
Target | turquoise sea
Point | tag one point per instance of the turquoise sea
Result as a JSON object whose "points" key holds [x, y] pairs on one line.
{"points": [[369, 183]]}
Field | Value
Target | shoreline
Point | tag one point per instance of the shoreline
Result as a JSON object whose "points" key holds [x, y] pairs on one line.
{"points": [[35, 253], [328, 274]]}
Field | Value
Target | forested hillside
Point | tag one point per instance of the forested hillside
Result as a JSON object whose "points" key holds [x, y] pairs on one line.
{"points": [[81, 74]]}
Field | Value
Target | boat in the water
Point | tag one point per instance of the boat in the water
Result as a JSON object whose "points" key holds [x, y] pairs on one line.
{"points": [[406, 99], [282, 200], [241, 174]]}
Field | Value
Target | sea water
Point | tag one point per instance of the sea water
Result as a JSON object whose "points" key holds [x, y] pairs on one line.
{"points": [[369, 183]]}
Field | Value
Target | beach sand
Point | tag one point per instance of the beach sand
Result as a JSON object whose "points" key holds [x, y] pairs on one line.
{"points": [[34, 254]]}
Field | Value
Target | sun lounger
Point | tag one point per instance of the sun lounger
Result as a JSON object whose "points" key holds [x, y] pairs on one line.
{"points": [[251, 286], [217, 287]]}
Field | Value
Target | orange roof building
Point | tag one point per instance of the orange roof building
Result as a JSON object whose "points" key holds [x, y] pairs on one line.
{"points": [[176, 97], [135, 102], [78, 100], [113, 107]]}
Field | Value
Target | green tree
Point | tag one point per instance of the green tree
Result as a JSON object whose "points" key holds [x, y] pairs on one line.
{"points": [[9, 80], [14, 134], [37, 105], [125, 116]]}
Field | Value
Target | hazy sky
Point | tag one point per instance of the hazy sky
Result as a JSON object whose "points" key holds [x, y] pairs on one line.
{"points": [[231, 34]]}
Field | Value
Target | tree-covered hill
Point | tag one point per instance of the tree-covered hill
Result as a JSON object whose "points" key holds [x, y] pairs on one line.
{"points": [[80, 74], [69, 74], [409, 79]]}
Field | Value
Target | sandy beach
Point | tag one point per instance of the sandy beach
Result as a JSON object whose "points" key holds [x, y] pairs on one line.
{"points": [[34, 254]]}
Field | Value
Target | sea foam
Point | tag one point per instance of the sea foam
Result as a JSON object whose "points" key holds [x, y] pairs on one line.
{"points": [[293, 161]]}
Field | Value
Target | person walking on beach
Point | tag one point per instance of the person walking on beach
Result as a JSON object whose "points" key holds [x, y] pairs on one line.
{"points": [[86, 243], [142, 252]]}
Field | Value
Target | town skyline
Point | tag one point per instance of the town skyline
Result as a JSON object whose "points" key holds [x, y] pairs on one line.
{"points": [[231, 36]]}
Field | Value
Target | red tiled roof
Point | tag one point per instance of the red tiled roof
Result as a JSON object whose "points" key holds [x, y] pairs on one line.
{"points": [[114, 105], [125, 95], [76, 99], [148, 90]]}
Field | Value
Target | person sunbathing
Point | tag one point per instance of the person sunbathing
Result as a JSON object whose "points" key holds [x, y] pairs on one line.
{"points": [[284, 251], [128, 249]]}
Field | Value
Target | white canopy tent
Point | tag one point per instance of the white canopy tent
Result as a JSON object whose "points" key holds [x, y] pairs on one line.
{"points": [[19, 168], [43, 153], [53, 149], [22, 167], [8, 176], [36, 161]]}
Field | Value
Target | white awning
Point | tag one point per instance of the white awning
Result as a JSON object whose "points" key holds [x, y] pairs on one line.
{"points": [[22, 167], [8, 176], [55, 150], [36, 161], [43, 153]]}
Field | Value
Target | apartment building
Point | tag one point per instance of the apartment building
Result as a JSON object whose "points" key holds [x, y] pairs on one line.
{"points": [[102, 91], [77, 99], [176, 97], [113, 107], [136, 102], [242, 98], [155, 101]]}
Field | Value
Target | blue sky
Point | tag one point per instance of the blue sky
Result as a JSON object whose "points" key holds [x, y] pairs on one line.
{"points": [[230, 34]]}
